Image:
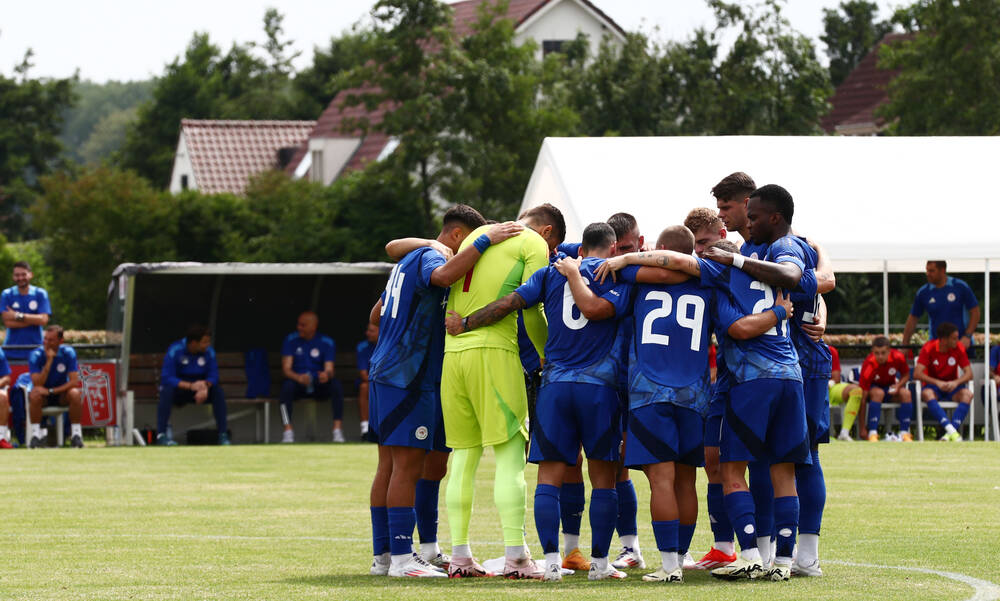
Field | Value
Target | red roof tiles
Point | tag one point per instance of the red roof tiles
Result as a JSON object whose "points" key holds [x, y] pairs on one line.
{"points": [[856, 98], [225, 154]]}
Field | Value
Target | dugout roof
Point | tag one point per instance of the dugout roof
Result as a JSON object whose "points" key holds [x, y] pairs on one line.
{"points": [[875, 203], [247, 305]]}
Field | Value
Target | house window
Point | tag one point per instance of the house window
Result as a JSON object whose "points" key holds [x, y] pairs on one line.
{"points": [[316, 169], [184, 182], [549, 46]]}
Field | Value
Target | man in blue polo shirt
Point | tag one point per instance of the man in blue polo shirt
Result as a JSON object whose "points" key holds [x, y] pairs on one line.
{"points": [[944, 299], [25, 310], [190, 374], [55, 380], [307, 362]]}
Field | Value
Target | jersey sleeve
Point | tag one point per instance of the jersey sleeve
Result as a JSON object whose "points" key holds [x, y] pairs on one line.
{"points": [[533, 291], [629, 274], [620, 297], [784, 251], [995, 359], [4, 365], [71, 364], [918, 304], [286, 347], [924, 358], [807, 288], [329, 350], [570, 249], [867, 374], [4, 300], [36, 361], [715, 275], [212, 367], [724, 313], [969, 300], [902, 367], [43, 303], [963, 357], [430, 260], [168, 375], [834, 358], [363, 356]]}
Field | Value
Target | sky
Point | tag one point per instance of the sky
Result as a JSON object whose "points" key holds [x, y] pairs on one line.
{"points": [[134, 39]]}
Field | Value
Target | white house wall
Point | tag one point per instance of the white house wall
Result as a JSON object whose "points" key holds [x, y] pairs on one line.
{"points": [[182, 166], [563, 21], [336, 152]]}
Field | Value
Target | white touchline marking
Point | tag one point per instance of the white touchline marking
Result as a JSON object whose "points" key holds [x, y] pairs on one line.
{"points": [[984, 589]]}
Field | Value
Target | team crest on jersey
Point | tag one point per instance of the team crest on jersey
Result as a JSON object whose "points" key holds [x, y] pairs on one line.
{"points": [[421, 432], [201, 361], [32, 305], [892, 371], [951, 361], [314, 353], [60, 367], [951, 297], [753, 255]]}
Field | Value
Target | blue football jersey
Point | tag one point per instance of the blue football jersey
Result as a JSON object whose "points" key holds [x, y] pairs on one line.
{"points": [[577, 349], [814, 357], [63, 364], [308, 356], [670, 339], [950, 303], [770, 355], [179, 364], [35, 302], [410, 346]]}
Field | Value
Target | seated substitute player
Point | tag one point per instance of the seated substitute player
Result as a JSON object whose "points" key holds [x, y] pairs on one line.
{"points": [[190, 374], [364, 355], [669, 392], [766, 373], [938, 368], [884, 375], [405, 372], [4, 402], [995, 365], [307, 362], [578, 399], [55, 380], [844, 393]]}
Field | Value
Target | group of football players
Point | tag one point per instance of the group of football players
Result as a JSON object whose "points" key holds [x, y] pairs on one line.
{"points": [[623, 335]]}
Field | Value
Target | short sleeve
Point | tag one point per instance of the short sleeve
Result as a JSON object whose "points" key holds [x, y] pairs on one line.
{"points": [[834, 358], [924, 358], [969, 300], [71, 364], [286, 347], [4, 299], [570, 249], [994, 358], [363, 356], [4, 366], [867, 374], [918, 304], [430, 260], [43, 303], [329, 349], [725, 313], [629, 274], [963, 357], [533, 291], [784, 251], [620, 297], [36, 361], [715, 275], [807, 287]]}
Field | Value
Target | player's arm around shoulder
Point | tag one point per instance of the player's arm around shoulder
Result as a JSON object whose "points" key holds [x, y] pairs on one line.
{"points": [[446, 274], [592, 306]]}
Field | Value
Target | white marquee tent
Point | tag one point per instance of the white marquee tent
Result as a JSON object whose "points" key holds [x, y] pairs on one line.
{"points": [[877, 204]]}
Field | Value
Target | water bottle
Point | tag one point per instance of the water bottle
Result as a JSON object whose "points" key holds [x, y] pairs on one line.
{"points": [[311, 388]]}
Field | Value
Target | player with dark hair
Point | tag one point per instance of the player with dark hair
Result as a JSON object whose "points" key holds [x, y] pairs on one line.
{"points": [[938, 368], [405, 374], [578, 401], [884, 375], [190, 374], [25, 310]]}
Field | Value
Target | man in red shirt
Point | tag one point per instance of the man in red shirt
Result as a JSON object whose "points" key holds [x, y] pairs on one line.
{"points": [[884, 374], [938, 368], [846, 393]]}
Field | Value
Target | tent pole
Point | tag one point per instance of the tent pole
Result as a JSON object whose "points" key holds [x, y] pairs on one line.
{"points": [[989, 411], [885, 297]]}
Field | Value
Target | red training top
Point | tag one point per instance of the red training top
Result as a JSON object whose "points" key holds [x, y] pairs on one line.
{"points": [[885, 374], [836, 358], [943, 366]]}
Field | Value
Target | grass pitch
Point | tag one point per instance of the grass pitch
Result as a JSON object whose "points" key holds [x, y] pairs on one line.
{"points": [[291, 522]]}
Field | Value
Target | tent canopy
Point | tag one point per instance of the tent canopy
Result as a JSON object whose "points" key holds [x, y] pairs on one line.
{"points": [[874, 203]]}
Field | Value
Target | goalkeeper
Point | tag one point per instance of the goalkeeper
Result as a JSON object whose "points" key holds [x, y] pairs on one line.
{"points": [[482, 390]]}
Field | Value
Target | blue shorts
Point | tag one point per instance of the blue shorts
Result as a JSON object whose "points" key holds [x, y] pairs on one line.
{"points": [[664, 432], [938, 394], [817, 396], [713, 421], [570, 414], [765, 420], [406, 418]]}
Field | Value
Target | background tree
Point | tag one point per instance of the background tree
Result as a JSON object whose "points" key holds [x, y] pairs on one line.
{"points": [[850, 31], [102, 110], [949, 80], [316, 85], [31, 113]]}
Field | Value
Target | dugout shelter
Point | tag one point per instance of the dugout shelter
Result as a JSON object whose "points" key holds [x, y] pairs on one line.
{"points": [[246, 306], [877, 204]]}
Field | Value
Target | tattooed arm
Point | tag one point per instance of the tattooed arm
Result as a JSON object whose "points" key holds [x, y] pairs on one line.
{"points": [[488, 315]]}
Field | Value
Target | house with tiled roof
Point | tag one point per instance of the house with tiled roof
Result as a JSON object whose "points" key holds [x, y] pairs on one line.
{"points": [[860, 94], [216, 156], [330, 150]]}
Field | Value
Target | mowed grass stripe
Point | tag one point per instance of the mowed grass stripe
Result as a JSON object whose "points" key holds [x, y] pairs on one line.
{"points": [[254, 522]]}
